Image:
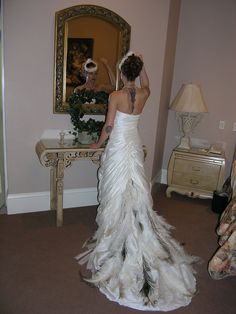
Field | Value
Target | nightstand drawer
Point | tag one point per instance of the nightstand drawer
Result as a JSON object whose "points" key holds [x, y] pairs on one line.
{"points": [[195, 173], [196, 168], [208, 183]]}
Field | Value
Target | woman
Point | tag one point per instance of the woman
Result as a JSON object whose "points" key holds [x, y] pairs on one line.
{"points": [[90, 72], [133, 259]]}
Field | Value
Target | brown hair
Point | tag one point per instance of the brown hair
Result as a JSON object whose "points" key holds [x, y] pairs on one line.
{"points": [[132, 67]]}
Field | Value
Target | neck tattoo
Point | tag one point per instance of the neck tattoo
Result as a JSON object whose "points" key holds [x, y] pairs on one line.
{"points": [[133, 97], [132, 92]]}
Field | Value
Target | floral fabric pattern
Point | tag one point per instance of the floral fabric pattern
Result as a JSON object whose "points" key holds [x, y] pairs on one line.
{"points": [[223, 262]]}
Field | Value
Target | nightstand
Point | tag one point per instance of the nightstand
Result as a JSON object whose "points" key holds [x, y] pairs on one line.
{"points": [[195, 172]]}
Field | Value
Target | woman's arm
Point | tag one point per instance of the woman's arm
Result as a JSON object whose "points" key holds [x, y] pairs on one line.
{"points": [[108, 126], [144, 80], [110, 73]]}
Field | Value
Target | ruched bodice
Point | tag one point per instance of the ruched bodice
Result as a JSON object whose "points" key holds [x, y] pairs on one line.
{"points": [[128, 120], [125, 128], [133, 259]]}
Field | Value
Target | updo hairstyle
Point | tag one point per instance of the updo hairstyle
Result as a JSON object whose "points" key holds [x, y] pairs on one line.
{"points": [[132, 67], [89, 66]]}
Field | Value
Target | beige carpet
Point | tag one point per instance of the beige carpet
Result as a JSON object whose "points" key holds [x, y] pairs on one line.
{"points": [[38, 274]]}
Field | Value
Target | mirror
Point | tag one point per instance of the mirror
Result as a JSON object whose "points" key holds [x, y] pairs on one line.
{"points": [[81, 32]]}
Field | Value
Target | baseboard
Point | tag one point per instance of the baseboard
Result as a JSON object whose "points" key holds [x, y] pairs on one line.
{"points": [[161, 177], [40, 201], [164, 176]]}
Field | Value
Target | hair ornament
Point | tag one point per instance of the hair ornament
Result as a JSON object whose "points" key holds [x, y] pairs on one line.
{"points": [[92, 69], [128, 54]]}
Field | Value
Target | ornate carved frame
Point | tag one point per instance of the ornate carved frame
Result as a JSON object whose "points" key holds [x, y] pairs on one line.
{"points": [[59, 61]]}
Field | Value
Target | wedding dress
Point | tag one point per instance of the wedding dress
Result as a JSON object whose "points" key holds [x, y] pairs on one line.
{"points": [[132, 256]]}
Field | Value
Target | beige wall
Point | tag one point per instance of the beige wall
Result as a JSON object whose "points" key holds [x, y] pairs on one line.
{"points": [[206, 50], [29, 49], [168, 68], [205, 54]]}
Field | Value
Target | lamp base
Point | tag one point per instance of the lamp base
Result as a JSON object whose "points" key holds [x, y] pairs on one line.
{"points": [[184, 143], [188, 122]]}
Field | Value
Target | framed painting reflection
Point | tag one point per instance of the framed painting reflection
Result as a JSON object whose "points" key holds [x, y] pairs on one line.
{"points": [[78, 51]]}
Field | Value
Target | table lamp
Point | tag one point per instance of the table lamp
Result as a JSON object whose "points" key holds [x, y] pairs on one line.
{"points": [[189, 106]]}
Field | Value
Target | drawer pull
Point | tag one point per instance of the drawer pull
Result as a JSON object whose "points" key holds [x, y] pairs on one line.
{"points": [[192, 181], [195, 168]]}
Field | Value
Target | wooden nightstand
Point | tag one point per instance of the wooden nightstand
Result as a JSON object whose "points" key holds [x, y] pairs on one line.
{"points": [[195, 172]]}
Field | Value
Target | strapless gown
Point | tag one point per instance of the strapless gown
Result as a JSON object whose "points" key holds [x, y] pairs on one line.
{"points": [[132, 257]]}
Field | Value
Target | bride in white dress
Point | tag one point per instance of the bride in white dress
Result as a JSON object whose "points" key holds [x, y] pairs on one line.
{"points": [[132, 256]]}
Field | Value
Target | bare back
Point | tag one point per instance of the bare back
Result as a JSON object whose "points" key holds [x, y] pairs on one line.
{"points": [[131, 100]]}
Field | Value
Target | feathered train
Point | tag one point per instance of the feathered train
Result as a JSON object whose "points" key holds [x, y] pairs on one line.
{"points": [[132, 256]]}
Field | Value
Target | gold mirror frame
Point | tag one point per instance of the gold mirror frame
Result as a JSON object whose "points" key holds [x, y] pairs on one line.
{"points": [[61, 18]]}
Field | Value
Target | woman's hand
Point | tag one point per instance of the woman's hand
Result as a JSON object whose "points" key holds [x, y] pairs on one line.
{"points": [[94, 146], [141, 57]]}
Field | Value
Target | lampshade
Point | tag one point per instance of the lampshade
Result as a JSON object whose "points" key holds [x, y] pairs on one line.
{"points": [[189, 99]]}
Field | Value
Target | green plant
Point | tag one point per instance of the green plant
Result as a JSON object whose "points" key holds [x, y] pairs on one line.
{"points": [[76, 111], [89, 96]]}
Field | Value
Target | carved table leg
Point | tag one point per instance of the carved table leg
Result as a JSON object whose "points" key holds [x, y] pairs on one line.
{"points": [[53, 188], [59, 189]]}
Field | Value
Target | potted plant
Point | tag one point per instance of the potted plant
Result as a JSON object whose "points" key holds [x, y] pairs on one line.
{"points": [[85, 132]]}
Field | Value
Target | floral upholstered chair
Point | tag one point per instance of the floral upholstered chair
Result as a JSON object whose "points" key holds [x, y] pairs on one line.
{"points": [[223, 262]]}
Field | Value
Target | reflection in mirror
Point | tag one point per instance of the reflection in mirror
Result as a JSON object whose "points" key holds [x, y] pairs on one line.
{"points": [[82, 32]]}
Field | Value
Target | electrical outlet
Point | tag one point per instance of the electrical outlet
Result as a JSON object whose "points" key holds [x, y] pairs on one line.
{"points": [[234, 126], [222, 125]]}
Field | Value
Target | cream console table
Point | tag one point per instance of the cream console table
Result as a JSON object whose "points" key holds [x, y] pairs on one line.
{"points": [[58, 157], [195, 172]]}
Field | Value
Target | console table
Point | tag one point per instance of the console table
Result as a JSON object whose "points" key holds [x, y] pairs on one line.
{"points": [[57, 156]]}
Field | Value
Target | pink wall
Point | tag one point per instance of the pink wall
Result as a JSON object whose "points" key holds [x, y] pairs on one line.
{"points": [[206, 50], [29, 52], [168, 68]]}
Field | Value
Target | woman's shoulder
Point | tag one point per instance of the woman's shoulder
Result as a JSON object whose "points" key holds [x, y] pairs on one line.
{"points": [[79, 88], [115, 93]]}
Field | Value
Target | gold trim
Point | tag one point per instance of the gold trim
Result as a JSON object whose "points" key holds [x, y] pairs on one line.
{"points": [[59, 53]]}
